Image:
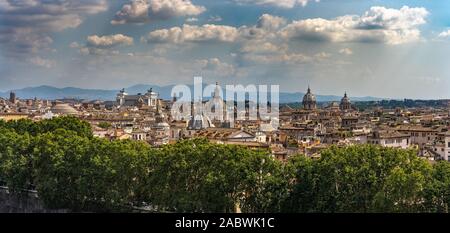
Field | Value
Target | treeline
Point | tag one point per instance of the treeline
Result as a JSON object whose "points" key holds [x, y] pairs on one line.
{"points": [[70, 169], [406, 103]]}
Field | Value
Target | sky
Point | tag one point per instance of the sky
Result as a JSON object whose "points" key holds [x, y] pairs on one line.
{"points": [[390, 49]]}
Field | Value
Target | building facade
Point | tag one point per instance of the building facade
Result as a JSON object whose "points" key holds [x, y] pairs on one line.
{"points": [[149, 99]]}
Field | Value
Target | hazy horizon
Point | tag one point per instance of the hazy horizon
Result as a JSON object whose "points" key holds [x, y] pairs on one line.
{"points": [[223, 86]]}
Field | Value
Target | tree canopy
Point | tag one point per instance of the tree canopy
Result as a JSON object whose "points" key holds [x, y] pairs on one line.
{"points": [[71, 169]]}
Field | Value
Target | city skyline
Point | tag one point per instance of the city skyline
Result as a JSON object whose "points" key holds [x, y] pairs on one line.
{"points": [[388, 49], [46, 91], [230, 106]]}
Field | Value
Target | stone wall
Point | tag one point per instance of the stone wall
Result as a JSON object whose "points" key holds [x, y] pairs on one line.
{"points": [[26, 203], [29, 202]]}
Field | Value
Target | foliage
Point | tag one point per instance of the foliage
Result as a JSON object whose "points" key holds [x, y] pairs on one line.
{"points": [[15, 160], [104, 125], [197, 176], [22, 126], [71, 169], [362, 179]]}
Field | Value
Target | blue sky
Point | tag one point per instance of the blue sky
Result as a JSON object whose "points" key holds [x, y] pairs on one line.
{"points": [[396, 49]]}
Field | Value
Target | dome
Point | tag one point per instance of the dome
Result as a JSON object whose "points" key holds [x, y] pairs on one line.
{"points": [[309, 101], [266, 128], [200, 122], [63, 109], [162, 125], [345, 99], [334, 104], [309, 97], [217, 92], [345, 103]]}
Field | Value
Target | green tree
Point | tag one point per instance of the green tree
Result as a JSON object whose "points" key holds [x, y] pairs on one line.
{"points": [[300, 195], [104, 125], [438, 190], [23, 126], [61, 163], [16, 160], [81, 128], [72, 169], [361, 179]]}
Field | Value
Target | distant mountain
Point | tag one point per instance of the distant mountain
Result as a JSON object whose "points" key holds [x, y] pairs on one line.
{"points": [[49, 92]]}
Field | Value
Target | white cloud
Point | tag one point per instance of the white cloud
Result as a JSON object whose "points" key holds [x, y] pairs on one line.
{"points": [[97, 51], [215, 18], [39, 61], [74, 45], [444, 34], [191, 33], [263, 47], [192, 20], [103, 45], [276, 58], [276, 3], [217, 67], [109, 41], [266, 27], [270, 22], [268, 53], [271, 40], [142, 11], [379, 24], [322, 55], [26, 26], [134, 12], [346, 51]]}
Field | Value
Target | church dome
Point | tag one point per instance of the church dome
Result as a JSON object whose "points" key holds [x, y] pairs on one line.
{"points": [[345, 103], [333, 104], [309, 100], [309, 97], [162, 125], [200, 122], [345, 99], [160, 117], [63, 109]]}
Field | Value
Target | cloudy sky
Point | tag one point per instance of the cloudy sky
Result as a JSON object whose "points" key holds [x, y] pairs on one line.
{"points": [[396, 49]]}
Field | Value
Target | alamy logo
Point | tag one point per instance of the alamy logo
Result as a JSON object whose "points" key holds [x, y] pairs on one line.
{"points": [[236, 103]]}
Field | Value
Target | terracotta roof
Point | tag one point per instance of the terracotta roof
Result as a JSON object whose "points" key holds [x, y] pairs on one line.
{"points": [[417, 128]]}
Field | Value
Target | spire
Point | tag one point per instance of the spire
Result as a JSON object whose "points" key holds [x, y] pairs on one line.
{"points": [[174, 98], [160, 117], [158, 106], [309, 89], [217, 91], [345, 95], [192, 108]]}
